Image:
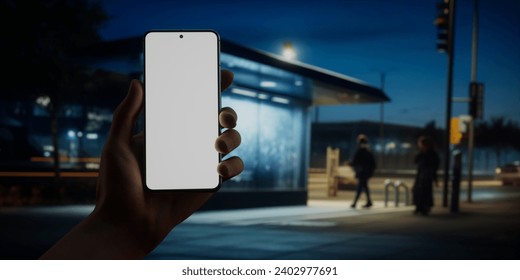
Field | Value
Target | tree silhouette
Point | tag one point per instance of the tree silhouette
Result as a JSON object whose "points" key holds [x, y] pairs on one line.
{"points": [[41, 45]]}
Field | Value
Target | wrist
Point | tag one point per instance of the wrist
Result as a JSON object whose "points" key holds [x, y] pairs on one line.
{"points": [[132, 233], [96, 238]]}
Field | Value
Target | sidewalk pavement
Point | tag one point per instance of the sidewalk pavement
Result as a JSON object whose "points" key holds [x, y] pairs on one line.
{"points": [[485, 229], [488, 228]]}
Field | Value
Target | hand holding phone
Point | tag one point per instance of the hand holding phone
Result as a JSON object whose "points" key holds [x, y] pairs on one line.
{"points": [[129, 221]]}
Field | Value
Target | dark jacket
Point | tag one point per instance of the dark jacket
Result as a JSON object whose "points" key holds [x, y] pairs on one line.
{"points": [[427, 165], [363, 163]]}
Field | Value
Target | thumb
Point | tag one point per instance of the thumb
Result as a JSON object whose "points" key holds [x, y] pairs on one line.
{"points": [[126, 114]]}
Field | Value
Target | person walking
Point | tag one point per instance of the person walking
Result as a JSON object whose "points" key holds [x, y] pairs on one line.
{"points": [[364, 166], [427, 162]]}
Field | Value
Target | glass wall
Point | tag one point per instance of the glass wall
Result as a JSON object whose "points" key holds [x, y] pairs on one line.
{"points": [[272, 118], [271, 103], [26, 138]]}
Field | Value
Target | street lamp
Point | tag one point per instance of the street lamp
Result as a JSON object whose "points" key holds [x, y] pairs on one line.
{"points": [[288, 51]]}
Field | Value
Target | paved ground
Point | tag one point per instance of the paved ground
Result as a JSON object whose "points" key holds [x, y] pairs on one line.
{"points": [[327, 228]]}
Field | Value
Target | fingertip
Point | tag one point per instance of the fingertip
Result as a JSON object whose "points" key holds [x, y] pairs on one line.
{"points": [[228, 141], [226, 78], [230, 167], [221, 146], [228, 117], [134, 99], [135, 87], [127, 112], [223, 170], [227, 73]]}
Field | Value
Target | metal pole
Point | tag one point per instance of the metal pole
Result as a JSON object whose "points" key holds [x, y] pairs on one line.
{"points": [[474, 44], [449, 94], [455, 186], [388, 184], [382, 124], [471, 147], [471, 136]]}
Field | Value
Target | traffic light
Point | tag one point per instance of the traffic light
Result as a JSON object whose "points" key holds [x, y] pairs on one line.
{"points": [[442, 21], [476, 104], [455, 134]]}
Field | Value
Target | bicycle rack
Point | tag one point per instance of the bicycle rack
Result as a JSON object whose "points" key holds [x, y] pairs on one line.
{"points": [[397, 185]]}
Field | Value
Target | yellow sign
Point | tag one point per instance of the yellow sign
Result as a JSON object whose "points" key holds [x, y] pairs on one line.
{"points": [[455, 135]]}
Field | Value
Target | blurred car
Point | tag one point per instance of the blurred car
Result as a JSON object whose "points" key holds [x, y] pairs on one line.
{"points": [[509, 173]]}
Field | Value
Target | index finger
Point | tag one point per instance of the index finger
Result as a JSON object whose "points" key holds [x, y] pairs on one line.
{"points": [[226, 78], [227, 117]]}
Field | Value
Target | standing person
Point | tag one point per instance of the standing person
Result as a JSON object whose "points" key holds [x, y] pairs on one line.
{"points": [[364, 165], [427, 162]]}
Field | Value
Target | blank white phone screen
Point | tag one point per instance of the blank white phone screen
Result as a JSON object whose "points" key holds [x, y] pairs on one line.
{"points": [[182, 100]]}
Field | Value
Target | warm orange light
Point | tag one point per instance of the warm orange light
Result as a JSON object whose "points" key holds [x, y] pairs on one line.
{"points": [[288, 51]]}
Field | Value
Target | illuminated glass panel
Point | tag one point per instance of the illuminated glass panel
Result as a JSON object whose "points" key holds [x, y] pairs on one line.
{"points": [[258, 76], [273, 143]]}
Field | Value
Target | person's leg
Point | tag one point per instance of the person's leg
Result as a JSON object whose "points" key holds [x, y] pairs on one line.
{"points": [[421, 204], [364, 186], [367, 190], [359, 188], [428, 199]]}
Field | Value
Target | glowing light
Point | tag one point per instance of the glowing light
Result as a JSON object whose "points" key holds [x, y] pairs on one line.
{"points": [[406, 145], [263, 96], [288, 51], [43, 101], [49, 148], [280, 100], [244, 92], [390, 146], [92, 165], [267, 84], [92, 136]]}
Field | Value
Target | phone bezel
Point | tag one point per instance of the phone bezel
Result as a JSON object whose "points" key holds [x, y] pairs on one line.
{"points": [[219, 98]]}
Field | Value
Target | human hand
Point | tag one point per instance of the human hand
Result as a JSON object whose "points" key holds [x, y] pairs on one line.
{"points": [[135, 218]]}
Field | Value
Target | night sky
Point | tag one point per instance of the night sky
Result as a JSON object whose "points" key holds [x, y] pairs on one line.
{"points": [[362, 39]]}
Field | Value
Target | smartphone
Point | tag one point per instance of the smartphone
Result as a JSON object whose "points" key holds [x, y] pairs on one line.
{"points": [[182, 103]]}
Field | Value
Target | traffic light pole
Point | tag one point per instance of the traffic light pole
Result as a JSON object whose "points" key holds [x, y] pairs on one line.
{"points": [[471, 138], [451, 54]]}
